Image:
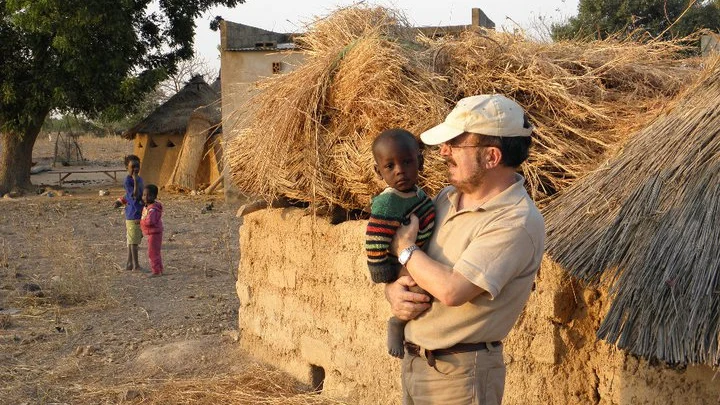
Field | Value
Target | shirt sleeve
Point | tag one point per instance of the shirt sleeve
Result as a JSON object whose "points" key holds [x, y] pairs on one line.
{"points": [[495, 258], [154, 218]]}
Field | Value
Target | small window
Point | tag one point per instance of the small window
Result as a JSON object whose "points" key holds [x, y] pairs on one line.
{"points": [[259, 44], [277, 67], [152, 143], [170, 144]]}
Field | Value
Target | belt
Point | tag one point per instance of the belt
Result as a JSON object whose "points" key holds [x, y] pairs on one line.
{"points": [[430, 355]]}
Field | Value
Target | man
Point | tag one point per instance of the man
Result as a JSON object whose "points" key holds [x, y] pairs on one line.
{"points": [[480, 263]]}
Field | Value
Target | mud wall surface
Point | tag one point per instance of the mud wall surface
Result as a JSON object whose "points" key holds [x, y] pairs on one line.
{"points": [[158, 154], [308, 307]]}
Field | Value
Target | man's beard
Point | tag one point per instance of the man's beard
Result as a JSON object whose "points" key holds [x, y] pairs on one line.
{"points": [[474, 181]]}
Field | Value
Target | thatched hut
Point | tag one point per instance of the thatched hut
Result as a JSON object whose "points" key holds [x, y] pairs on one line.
{"points": [[178, 142], [647, 224]]}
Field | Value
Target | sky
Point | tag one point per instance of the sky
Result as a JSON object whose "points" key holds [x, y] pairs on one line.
{"points": [[295, 15]]}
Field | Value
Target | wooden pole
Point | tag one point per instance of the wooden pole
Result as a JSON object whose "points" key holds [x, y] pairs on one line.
{"points": [[213, 186]]}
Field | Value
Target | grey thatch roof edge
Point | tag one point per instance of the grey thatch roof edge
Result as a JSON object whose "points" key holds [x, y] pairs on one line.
{"points": [[648, 225], [173, 115]]}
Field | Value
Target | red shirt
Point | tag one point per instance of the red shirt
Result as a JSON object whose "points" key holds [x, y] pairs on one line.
{"points": [[151, 220]]}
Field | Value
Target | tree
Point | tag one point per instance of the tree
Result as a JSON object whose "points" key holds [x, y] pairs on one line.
{"points": [[598, 19], [186, 70], [90, 57]]}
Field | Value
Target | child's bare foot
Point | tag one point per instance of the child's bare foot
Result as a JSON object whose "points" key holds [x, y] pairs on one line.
{"points": [[396, 337], [128, 267], [154, 275]]}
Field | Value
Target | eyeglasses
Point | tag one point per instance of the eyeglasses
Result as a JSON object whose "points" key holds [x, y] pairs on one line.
{"points": [[456, 143]]}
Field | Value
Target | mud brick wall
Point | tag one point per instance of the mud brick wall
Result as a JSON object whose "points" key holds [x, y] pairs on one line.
{"points": [[307, 306]]}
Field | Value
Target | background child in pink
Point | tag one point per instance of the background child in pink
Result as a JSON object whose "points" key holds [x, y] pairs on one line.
{"points": [[152, 228]]}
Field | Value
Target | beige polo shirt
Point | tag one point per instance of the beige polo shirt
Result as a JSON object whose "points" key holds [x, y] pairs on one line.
{"points": [[497, 246]]}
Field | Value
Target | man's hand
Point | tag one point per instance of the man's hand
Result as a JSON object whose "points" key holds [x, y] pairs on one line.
{"points": [[405, 236], [404, 304]]}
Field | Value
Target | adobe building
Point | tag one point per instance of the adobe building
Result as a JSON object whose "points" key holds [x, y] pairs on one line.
{"points": [[178, 143]]}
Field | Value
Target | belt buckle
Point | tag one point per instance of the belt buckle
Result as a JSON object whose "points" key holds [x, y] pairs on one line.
{"points": [[428, 356]]}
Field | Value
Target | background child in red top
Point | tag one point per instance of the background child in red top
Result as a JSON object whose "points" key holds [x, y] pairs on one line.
{"points": [[152, 227]]}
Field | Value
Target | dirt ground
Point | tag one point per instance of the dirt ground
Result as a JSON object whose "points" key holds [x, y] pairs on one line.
{"points": [[76, 327]]}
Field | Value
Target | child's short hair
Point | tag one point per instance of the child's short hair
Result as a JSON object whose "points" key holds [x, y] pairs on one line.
{"points": [[131, 158], [152, 190], [396, 134]]}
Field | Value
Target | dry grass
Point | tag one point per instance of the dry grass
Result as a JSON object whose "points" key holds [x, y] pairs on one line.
{"points": [[256, 384], [5, 321], [646, 223], [80, 275], [4, 255], [583, 98], [106, 151], [307, 134]]}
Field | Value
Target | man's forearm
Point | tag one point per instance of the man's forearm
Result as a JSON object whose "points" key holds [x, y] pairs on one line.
{"points": [[447, 285]]}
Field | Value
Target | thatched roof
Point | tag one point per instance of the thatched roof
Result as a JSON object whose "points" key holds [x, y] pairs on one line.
{"points": [[173, 115], [211, 113], [647, 223], [306, 135], [217, 85]]}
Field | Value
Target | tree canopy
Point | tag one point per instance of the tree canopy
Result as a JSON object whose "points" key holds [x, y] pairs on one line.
{"points": [[598, 19], [89, 57]]}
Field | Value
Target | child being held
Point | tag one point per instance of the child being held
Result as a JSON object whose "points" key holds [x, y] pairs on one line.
{"points": [[398, 161], [133, 210], [152, 227]]}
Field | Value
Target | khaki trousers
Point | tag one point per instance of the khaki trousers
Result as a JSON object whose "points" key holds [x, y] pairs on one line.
{"points": [[464, 378]]}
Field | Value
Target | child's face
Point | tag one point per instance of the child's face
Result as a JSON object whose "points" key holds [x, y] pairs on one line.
{"points": [[133, 167], [147, 197], [397, 164]]}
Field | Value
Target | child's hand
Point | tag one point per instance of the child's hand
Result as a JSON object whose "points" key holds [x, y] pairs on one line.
{"points": [[117, 204], [405, 235]]}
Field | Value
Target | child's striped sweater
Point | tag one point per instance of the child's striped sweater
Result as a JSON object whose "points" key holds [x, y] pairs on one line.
{"points": [[389, 210]]}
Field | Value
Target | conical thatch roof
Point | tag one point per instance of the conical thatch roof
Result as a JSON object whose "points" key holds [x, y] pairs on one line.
{"points": [[648, 224], [306, 135], [217, 85], [173, 115]]}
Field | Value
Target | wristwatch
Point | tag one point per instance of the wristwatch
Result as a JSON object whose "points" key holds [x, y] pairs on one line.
{"points": [[404, 256]]}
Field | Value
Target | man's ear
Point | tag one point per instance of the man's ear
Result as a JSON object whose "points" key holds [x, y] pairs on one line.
{"points": [[494, 157], [421, 161]]}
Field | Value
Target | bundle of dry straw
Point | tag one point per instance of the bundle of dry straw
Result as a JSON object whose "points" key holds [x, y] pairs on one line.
{"points": [[306, 135], [648, 223]]}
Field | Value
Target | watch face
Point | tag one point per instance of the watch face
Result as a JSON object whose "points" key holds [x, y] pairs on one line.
{"points": [[405, 254]]}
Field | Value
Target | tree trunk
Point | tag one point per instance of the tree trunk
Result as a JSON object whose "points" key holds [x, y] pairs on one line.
{"points": [[16, 155]]}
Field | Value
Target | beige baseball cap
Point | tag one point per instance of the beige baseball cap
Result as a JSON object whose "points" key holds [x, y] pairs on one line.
{"points": [[486, 114]]}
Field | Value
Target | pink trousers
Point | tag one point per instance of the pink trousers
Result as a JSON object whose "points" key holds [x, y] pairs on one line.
{"points": [[154, 243]]}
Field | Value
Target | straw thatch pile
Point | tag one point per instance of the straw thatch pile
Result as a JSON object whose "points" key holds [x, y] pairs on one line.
{"points": [[648, 224], [306, 135]]}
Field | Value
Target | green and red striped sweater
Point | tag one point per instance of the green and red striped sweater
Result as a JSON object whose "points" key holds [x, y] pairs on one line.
{"points": [[389, 210]]}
